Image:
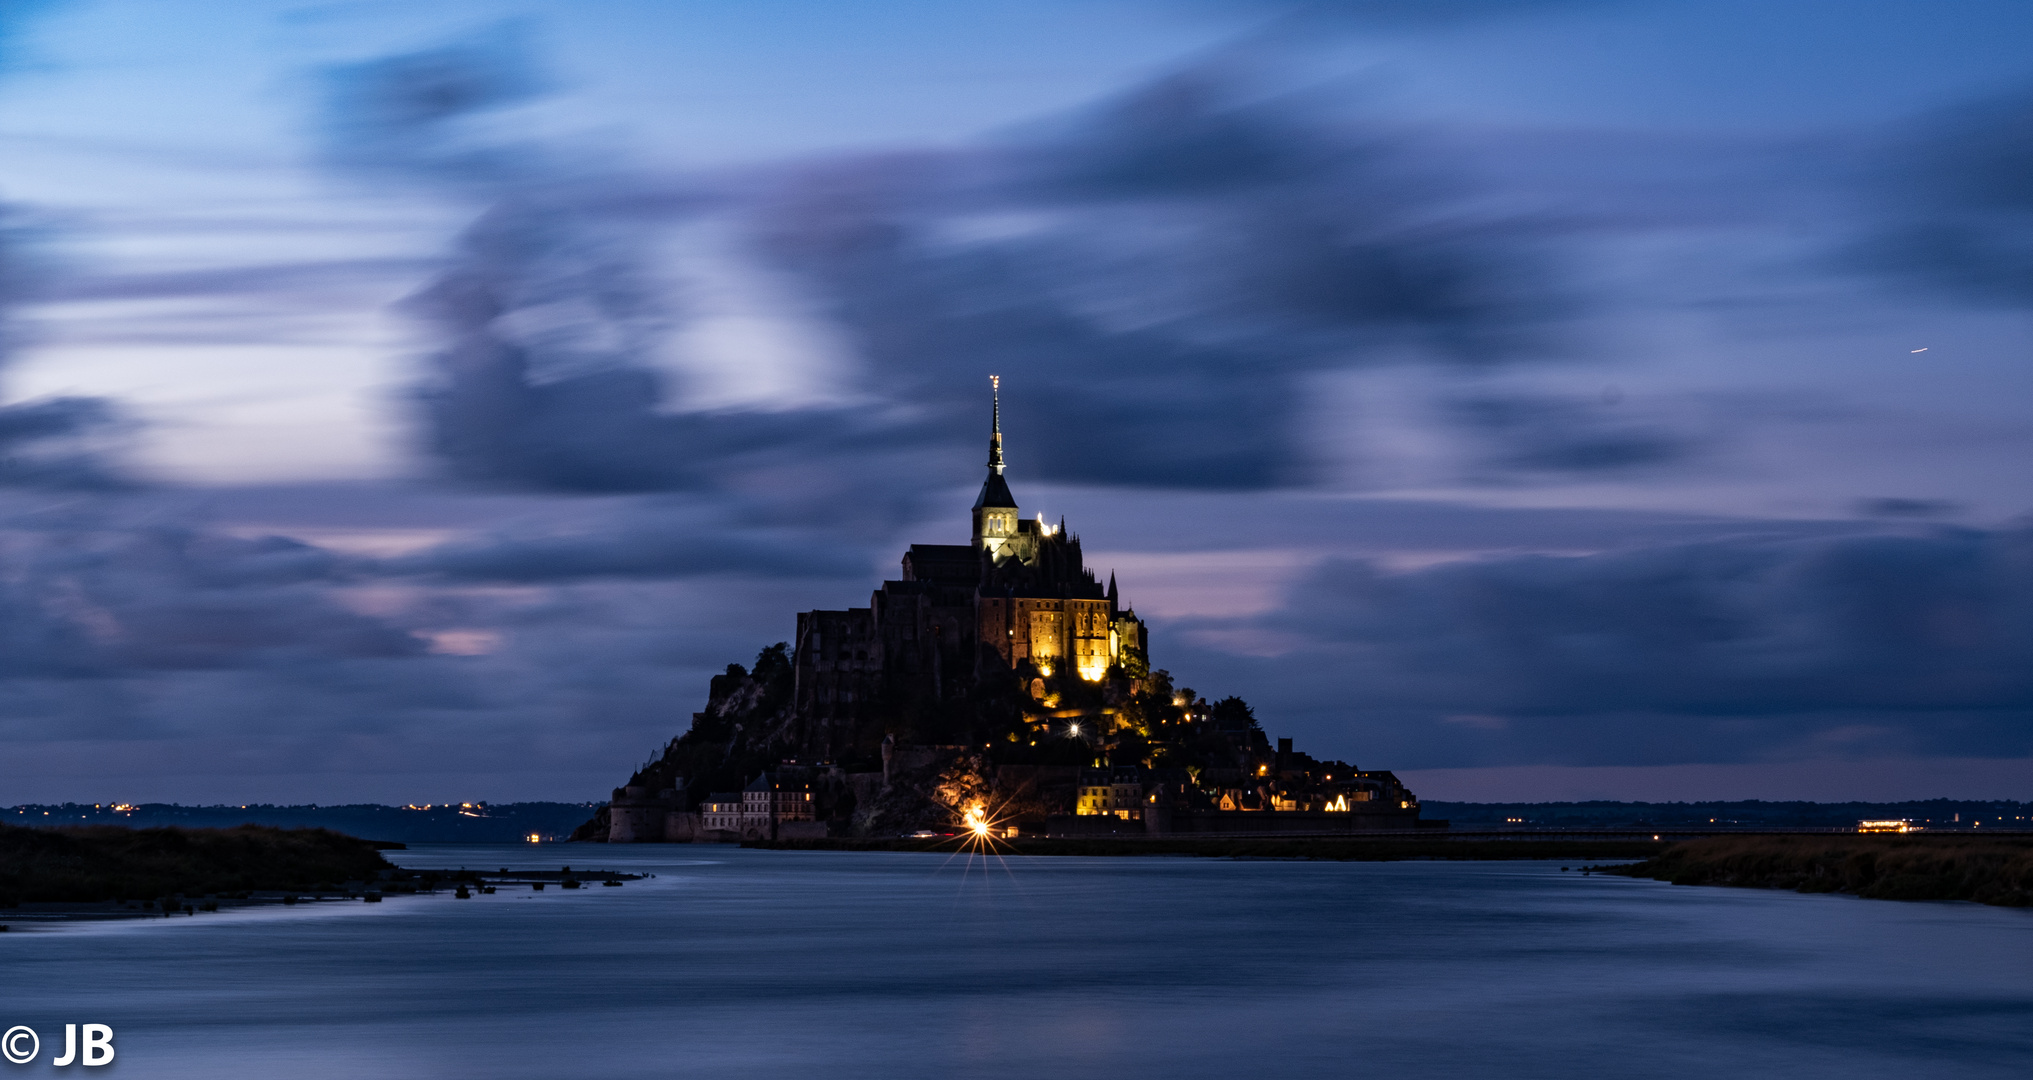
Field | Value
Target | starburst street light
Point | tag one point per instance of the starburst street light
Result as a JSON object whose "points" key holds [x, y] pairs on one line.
{"points": [[1073, 730], [980, 829]]}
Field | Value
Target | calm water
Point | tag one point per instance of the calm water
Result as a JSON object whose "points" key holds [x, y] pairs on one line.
{"points": [[735, 963]]}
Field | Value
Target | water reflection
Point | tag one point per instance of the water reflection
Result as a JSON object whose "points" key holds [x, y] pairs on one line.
{"points": [[866, 965]]}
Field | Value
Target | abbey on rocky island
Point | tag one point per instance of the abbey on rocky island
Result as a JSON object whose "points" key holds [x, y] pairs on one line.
{"points": [[996, 679]]}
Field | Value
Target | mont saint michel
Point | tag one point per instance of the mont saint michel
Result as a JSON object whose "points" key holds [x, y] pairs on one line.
{"points": [[995, 686]]}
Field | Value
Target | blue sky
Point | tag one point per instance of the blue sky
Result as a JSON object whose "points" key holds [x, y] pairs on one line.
{"points": [[1545, 399]]}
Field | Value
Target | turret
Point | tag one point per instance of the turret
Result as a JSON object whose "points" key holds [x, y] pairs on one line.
{"points": [[995, 509]]}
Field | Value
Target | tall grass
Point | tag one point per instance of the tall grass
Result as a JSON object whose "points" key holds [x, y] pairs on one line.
{"points": [[103, 862], [1987, 870]]}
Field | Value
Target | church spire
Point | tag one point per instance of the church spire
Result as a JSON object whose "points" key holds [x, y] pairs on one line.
{"points": [[995, 424], [995, 517]]}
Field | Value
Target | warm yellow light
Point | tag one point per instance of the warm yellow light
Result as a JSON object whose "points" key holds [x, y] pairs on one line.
{"points": [[976, 819], [535, 839]]}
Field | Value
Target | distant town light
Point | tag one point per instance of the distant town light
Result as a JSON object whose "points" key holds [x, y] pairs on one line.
{"points": [[535, 839]]}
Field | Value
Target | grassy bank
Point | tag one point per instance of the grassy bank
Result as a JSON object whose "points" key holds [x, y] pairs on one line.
{"points": [[1362, 850], [1988, 871], [95, 863]]}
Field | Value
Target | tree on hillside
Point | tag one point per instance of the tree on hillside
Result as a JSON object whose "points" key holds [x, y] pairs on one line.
{"points": [[1234, 714]]}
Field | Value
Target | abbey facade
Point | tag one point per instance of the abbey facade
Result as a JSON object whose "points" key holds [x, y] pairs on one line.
{"points": [[1016, 597]]}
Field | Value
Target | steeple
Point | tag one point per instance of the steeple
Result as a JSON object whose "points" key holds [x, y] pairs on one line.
{"points": [[995, 424], [995, 509]]}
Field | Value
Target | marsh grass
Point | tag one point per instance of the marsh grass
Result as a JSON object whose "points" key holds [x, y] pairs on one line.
{"points": [[1982, 869], [89, 864]]}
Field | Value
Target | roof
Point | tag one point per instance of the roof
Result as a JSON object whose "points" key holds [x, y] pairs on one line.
{"points": [[995, 492], [944, 562], [964, 553]]}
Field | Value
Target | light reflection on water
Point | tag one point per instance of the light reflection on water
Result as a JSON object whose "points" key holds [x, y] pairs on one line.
{"points": [[836, 965]]}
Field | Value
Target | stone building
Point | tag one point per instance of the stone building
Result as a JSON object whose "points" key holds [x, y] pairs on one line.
{"points": [[1016, 593], [771, 807], [769, 802], [720, 813], [1115, 792]]}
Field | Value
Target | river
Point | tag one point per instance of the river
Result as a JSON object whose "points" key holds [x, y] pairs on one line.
{"points": [[836, 966]]}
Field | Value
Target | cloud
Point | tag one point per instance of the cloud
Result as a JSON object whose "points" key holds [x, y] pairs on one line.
{"points": [[158, 597], [422, 113], [1742, 649], [641, 545], [140, 648], [56, 442], [51, 443], [1957, 202], [268, 283], [543, 380], [1155, 278], [1524, 434], [1898, 507], [547, 318], [1418, 14]]}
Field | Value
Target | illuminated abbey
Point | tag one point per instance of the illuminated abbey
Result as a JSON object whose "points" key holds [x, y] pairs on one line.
{"points": [[993, 684], [1015, 598]]}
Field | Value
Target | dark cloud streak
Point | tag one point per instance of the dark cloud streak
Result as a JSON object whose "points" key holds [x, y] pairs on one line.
{"points": [[1956, 196], [1726, 650], [1157, 276]]}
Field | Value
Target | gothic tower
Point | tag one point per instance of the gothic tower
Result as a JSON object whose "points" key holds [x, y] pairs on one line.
{"points": [[995, 509]]}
